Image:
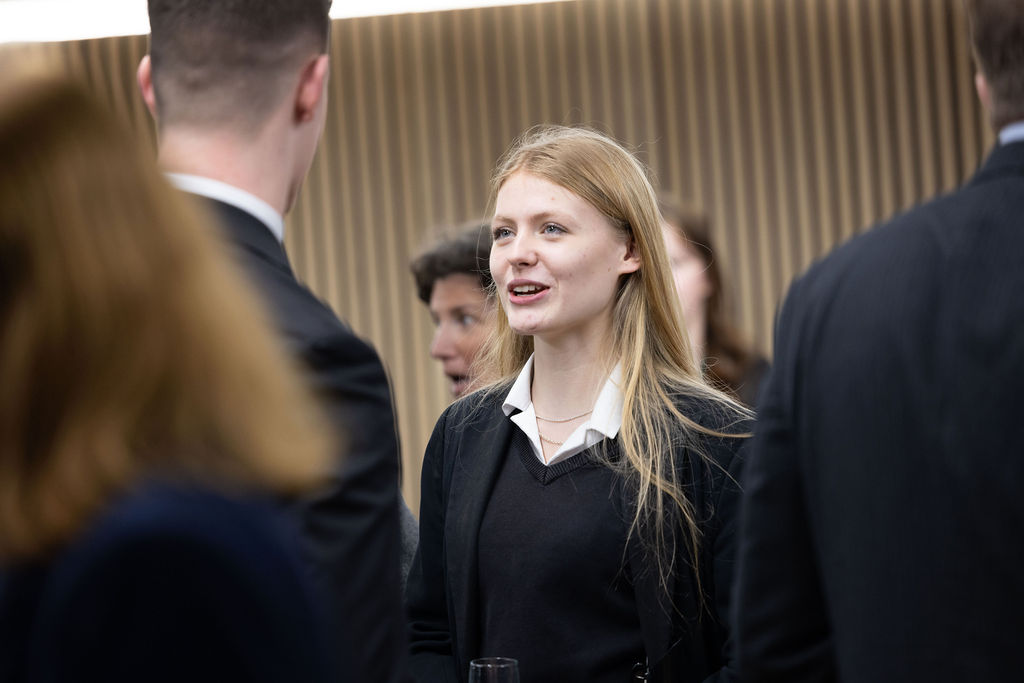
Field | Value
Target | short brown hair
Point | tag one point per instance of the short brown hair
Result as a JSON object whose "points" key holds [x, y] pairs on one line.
{"points": [[226, 61], [129, 344], [997, 38], [467, 252]]}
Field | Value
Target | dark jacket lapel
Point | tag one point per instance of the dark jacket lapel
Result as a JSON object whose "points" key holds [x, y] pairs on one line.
{"points": [[483, 444], [652, 607], [247, 232]]}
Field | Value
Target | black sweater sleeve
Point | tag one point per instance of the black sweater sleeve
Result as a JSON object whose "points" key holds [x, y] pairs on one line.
{"points": [[432, 649]]}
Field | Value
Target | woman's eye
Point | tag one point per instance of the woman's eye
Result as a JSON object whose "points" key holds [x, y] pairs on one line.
{"points": [[499, 233], [552, 229]]}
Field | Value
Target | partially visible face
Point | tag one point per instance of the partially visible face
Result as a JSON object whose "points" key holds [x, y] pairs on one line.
{"points": [[689, 271], [556, 261], [462, 316]]}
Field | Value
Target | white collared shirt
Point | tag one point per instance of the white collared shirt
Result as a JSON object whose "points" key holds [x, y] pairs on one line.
{"points": [[229, 194], [1012, 133], [604, 422]]}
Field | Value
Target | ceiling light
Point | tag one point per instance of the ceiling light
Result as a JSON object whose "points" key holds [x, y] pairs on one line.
{"points": [[55, 20]]}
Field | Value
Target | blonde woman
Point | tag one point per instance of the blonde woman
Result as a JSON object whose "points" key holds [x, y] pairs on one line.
{"points": [[143, 451], [577, 514]]}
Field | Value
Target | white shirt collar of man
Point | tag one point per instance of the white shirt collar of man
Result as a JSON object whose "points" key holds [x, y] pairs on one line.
{"points": [[229, 194], [1012, 133], [604, 422]]}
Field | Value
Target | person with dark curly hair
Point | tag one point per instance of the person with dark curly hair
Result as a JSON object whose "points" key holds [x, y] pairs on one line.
{"points": [[454, 281]]}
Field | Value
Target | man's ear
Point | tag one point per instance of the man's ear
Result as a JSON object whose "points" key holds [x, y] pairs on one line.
{"points": [[144, 76], [311, 88], [984, 92]]}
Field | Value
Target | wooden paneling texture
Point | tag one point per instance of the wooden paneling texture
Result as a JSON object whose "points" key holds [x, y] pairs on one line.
{"points": [[795, 123]]}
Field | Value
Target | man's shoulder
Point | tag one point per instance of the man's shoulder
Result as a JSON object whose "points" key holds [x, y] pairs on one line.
{"points": [[299, 315], [942, 229], [306, 323], [916, 281], [894, 258]]}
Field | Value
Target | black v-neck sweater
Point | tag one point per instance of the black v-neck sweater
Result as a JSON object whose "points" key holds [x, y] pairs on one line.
{"points": [[554, 589]]}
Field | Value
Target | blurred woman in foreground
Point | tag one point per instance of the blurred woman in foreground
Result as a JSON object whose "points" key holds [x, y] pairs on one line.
{"points": [[146, 421]]}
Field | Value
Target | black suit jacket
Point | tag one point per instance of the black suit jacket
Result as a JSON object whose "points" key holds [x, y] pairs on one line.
{"points": [[460, 467], [883, 509], [351, 531]]}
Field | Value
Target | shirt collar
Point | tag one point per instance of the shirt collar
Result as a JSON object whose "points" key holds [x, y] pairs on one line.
{"points": [[229, 194], [519, 396], [1012, 133], [606, 419]]}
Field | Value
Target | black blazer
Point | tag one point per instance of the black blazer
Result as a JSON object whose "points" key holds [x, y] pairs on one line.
{"points": [[350, 531], [171, 583], [461, 464], [883, 513]]}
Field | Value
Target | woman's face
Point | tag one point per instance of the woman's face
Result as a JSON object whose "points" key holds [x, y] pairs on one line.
{"points": [[556, 260], [462, 316], [689, 271]]}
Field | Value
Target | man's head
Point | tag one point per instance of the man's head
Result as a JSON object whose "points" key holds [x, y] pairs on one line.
{"points": [[997, 37], [230, 62]]}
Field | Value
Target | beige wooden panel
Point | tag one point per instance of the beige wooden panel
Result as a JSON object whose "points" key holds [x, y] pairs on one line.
{"points": [[795, 123]]}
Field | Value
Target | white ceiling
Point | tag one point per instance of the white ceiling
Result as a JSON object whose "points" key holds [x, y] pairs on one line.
{"points": [[49, 20]]}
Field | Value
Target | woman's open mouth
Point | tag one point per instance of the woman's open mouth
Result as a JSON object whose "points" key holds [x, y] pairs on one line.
{"points": [[526, 292]]}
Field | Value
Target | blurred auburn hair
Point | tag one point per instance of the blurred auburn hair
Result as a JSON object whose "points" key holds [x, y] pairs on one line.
{"points": [[730, 358], [129, 345]]}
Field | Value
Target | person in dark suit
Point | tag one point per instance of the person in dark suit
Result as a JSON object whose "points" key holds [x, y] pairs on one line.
{"points": [[238, 91], [882, 502], [577, 512], [141, 448]]}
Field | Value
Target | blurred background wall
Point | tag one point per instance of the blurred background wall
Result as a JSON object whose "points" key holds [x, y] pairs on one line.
{"points": [[794, 123]]}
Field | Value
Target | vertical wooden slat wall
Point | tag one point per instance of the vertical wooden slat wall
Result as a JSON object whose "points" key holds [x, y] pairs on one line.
{"points": [[794, 123]]}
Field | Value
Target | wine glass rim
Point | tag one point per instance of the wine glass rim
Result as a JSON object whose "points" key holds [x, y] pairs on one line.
{"points": [[494, 662]]}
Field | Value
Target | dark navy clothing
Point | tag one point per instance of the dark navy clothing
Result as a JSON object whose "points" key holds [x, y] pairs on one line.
{"points": [[170, 584], [883, 512], [351, 539]]}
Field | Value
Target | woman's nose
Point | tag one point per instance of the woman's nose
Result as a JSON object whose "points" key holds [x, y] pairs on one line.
{"points": [[522, 251]]}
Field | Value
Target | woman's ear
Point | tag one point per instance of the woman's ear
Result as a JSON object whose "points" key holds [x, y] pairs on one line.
{"points": [[631, 259]]}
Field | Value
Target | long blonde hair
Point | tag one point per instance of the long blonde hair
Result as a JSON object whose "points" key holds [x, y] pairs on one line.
{"points": [[648, 340], [129, 345]]}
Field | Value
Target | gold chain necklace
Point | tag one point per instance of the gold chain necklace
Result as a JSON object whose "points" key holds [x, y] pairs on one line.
{"points": [[551, 441], [568, 419], [552, 420]]}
